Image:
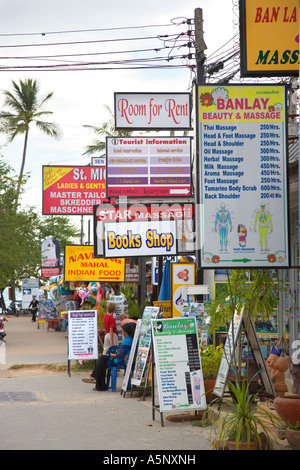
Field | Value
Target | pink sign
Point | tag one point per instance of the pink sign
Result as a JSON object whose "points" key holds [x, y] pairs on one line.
{"points": [[148, 166]]}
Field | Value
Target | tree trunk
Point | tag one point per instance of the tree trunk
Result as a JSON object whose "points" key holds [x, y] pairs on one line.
{"points": [[22, 167]]}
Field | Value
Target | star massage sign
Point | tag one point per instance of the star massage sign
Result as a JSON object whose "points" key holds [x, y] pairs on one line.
{"points": [[148, 238]]}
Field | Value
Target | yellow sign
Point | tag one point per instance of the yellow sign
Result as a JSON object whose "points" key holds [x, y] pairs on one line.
{"points": [[269, 31], [182, 275], [80, 265], [165, 307]]}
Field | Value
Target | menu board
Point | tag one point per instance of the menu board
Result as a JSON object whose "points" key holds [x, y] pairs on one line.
{"points": [[82, 335], [243, 190], [144, 342], [148, 166], [178, 364]]}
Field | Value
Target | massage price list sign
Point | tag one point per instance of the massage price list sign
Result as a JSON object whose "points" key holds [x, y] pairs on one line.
{"points": [[243, 186], [148, 167], [178, 364], [82, 335]]}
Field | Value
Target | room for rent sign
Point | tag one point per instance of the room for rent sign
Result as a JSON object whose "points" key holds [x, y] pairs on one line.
{"points": [[72, 190]]}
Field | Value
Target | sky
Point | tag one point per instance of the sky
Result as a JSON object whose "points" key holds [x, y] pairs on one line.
{"points": [[80, 96]]}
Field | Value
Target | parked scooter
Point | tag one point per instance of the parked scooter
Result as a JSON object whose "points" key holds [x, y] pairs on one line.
{"points": [[2, 328], [14, 308]]}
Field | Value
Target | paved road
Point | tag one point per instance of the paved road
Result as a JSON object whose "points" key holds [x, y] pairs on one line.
{"points": [[58, 412]]}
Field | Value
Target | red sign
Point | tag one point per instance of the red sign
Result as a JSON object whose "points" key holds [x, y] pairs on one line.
{"points": [[72, 190]]}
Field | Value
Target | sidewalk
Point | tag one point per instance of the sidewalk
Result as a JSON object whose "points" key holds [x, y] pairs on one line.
{"points": [[56, 412]]}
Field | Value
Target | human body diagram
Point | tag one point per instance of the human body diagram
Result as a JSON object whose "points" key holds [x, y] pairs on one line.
{"points": [[223, 224], [263, 223]]}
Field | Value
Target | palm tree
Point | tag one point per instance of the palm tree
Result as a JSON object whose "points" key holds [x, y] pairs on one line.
{"points": [[107, 129], [27, 107]]}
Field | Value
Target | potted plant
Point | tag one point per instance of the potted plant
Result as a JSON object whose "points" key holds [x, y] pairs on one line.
{"points": [[210, 360], [245, 426]]}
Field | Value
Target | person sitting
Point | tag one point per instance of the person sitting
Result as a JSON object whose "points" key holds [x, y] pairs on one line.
{"points": [[99, 372]]}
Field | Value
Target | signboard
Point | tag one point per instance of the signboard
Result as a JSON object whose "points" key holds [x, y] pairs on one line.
{"points": [[178, 365], [147, 238], [80, 265], [228, 353], [131, 356], [182, 276], [144, 111], [144, 342], [30, 288], [82, 335], [269, 32], [50, 249], [181, 212], [148, 166], [243, 188], [72, 190]]}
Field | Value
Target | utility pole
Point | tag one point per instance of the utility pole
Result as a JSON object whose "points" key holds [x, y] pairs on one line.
{"points": [[200, 60]]}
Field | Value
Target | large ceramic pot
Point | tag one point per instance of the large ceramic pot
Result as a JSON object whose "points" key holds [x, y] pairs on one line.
{"points": [[288, 409], [293, 438], [209, 385], [231, 445]]}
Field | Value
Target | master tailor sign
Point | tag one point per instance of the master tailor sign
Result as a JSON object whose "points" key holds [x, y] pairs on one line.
{"points": [[72, 190]]}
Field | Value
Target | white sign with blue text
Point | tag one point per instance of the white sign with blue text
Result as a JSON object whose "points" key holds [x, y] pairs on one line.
{"points": [[140, 238]]}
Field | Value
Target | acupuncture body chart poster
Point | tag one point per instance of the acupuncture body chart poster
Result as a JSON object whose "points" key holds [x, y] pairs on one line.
{"points": [[178, 364]]}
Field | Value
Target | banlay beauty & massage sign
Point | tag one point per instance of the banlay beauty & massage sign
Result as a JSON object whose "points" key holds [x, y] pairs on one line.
{"points": [[152, 111], [80, 265]]}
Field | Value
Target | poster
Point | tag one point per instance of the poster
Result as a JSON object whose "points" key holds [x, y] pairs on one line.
{"points": [[30, 288], [144, 342], [131, 356], [178, 365], [182, 276], [148, 166], [228, 353], [82, 335], [243, 190]]}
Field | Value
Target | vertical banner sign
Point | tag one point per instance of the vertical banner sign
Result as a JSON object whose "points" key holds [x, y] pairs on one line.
{"points": [[243, 176], [144, 342], [82, 336], [131, 356], [182, 276], [228, 353], [30, 287], [178, 365]]}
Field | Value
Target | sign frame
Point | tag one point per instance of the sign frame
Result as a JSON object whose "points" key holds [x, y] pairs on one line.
{"points": [[90, 256], [272, 33], [154, 211], [152, 96], [143, 187], [214, 260]]}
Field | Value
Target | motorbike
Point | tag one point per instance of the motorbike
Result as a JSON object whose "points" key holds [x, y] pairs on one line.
{"points": [[2, 328], [13, 309]]}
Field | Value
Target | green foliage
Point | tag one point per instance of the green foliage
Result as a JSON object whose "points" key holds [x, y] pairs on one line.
{"points": [[245, 421], [134, 309], [210, 360], [259, 294]]}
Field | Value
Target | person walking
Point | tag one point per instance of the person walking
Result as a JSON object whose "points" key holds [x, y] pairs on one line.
{"points": [[33, 307]]}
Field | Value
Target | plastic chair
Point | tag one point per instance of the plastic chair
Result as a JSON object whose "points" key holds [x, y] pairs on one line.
{"points": [[116, 363]]}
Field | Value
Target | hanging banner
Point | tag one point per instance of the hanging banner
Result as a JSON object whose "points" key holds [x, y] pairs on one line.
{"points": [[178, 365], [243, 190], [182, 276], [148, 238], [80, 265], [269, 32], [148, 166], [82, 335], [72, 190], [152, 111], [30, 288]]}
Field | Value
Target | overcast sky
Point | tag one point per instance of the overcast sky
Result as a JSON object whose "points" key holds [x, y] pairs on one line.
{"points": [[80, 95]]}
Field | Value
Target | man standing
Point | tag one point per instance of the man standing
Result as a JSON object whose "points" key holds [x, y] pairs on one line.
{"points": [[34, 307]]}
